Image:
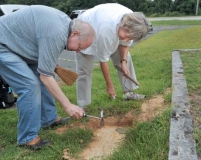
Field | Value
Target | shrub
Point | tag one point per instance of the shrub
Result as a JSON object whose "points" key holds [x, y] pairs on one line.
{"points": [[166, 14], [176, 14], [155, 15]]}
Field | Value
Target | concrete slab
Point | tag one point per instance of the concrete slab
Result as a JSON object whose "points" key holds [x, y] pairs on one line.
{"points": [[181, 142]]}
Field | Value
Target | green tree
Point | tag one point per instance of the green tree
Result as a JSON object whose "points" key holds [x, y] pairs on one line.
{"points": [[185, 6], [162, 6]]}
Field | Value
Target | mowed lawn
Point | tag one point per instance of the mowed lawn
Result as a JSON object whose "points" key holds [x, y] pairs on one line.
{"points": [[144, 141]]}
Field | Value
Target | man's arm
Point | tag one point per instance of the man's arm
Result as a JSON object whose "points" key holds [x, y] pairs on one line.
{"points": [[110, 88], [123, 54], [54, 89]]}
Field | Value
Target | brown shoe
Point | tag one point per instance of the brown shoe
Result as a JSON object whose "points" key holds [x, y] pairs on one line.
{"points": [[37, 144], [60, 121]]}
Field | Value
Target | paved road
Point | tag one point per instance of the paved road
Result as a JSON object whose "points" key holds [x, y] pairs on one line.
{"points": [[175, 18], [67, 59]]}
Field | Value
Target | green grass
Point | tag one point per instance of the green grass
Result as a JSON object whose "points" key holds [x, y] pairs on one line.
{"points": [[148, 140], [192, 67], [176, 22]]}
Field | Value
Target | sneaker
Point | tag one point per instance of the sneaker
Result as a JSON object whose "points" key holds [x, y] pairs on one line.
{"points": [[133, 96]]}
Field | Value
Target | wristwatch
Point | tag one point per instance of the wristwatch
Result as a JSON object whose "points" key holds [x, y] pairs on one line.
{"points": [[123, 60]]}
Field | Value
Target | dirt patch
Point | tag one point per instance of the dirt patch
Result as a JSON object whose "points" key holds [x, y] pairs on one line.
{"points": [[109, 137], [151, 108], [105, 141]]}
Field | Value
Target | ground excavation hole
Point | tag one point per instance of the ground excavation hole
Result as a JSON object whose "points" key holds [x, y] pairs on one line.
{"points": [[112, 134]]}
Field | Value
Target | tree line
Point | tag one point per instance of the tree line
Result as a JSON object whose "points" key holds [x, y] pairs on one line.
{"points": [[151, 8]]}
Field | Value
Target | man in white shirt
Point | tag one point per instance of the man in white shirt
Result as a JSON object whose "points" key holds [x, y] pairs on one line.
{"points": [[116, 28]]}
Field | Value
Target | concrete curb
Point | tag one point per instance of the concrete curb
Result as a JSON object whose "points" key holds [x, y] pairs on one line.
{"points": [[181, 142]]}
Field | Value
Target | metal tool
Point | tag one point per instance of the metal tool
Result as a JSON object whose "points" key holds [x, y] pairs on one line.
{"points": [[86, 115], [121, 70], [101, 118]]}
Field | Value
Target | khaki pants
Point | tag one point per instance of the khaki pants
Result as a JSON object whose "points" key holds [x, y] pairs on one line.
{"points": [[84, 67]]}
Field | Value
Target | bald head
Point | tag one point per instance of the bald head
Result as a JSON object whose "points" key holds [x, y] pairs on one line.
{"points": [[81, 36], [86, 31]]}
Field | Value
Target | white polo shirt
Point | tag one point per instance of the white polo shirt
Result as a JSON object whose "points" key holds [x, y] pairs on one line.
{"points": [[105, 20]]}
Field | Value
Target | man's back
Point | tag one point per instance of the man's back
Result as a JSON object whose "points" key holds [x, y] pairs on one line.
{"points": [[22, 30]]}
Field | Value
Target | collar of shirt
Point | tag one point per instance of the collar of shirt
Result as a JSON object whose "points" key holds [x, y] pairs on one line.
{"points": [[70, 28]]}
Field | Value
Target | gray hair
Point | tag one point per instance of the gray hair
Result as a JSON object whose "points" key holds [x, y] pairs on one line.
{"points": [[85, 29], [136, 25]]}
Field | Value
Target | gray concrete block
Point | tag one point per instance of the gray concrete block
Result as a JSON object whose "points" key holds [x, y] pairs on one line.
{"points": [[181, 142]]}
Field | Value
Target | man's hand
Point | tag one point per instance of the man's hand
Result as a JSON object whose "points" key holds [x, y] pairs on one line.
{"points": [[74, 111], [54, 89], [110, 88], [111, 91], [125, 69]]}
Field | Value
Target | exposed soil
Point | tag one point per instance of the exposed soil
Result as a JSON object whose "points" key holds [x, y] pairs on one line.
{"points": [[109, 137]]}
